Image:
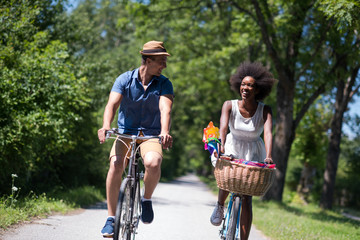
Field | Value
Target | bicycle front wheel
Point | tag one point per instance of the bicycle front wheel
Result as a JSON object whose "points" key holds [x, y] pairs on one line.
{"points": [[136, 209], [122, 228], [231, 232]]}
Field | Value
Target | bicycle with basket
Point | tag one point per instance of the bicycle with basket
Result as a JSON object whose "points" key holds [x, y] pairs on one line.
{"points": [[240, 177], [128, 209]]}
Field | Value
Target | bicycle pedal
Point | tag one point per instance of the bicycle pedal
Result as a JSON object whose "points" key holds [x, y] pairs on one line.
{"points": [[141, 175]]}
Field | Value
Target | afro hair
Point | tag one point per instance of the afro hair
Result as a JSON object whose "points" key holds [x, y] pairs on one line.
{"points": [[264, 80]]}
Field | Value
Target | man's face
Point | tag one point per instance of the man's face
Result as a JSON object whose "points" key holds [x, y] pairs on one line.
{"points": [[156, 64]]}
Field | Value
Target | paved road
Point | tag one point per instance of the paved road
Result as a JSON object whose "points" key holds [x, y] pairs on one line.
{"points": [[182, 210]]}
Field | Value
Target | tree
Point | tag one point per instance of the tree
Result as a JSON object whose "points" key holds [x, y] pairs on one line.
{"points": [[344, 44], [41, 98], [309, 148]]}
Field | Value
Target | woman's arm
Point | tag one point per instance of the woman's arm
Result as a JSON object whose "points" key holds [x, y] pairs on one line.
{"points": [[224, 122], [268, 133]]}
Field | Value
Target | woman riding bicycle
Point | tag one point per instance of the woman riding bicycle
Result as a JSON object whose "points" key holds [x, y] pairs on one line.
{"points": [[247, 118]]}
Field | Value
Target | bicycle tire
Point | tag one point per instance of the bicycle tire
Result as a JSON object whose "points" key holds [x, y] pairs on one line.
{"points": [[231, 231], [136, 210], [122, 224]]}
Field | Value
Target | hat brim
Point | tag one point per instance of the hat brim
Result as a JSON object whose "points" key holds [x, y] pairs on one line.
{"points": [[155, 54]]}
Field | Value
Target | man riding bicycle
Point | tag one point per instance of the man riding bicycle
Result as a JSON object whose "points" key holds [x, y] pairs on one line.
{"points": [[144, 98]]}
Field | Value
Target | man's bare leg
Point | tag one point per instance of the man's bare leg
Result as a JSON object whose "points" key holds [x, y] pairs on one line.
{"points": [[113, 183], [152, 162]]}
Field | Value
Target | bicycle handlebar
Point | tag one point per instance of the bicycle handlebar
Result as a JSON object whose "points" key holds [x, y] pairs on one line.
{"points": [[115, 131]]}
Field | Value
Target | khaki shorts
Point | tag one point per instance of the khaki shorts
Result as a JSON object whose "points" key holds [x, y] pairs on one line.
{"points": [[119, 149]]}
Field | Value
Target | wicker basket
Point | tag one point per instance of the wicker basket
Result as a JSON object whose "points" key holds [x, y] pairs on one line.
{"points": [[242, 178]]}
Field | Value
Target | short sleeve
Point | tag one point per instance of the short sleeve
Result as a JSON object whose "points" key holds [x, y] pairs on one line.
{"points": [[167, 87], [120, 83]]}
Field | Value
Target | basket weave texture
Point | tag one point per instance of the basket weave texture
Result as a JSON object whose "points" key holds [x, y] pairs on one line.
{"points": [[242, 178]]}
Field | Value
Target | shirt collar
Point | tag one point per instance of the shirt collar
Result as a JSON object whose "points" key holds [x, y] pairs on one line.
{"points": [[136, 76]]}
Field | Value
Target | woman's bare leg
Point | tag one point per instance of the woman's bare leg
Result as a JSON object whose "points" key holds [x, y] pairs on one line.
{"points": [[222, 196], [246, 217]]}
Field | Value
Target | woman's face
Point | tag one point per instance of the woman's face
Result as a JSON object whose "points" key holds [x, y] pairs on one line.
{"points": [[248, 88]]}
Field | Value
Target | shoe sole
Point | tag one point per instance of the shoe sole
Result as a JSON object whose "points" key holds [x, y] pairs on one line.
{"points": [[145, 222], [215, 224], [106, 235]]}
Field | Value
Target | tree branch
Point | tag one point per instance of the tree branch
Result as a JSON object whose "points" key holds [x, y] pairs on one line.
{"points": [[354, 75], [269, 40], [317, 49], [178, 8], [241, 9], [308, 103]]}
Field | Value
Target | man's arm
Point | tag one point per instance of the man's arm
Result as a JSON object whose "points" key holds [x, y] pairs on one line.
{"points": [[109, 113], [165, 105]]}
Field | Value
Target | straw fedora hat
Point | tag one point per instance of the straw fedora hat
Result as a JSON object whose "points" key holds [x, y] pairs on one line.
{"points": [[154, 48]]}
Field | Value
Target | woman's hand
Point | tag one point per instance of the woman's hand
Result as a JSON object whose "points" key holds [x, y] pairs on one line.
{"points": [[268, 160]]}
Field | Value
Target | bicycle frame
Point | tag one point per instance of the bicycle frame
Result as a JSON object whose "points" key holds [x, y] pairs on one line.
{"points": [[132, 159], [130, 185]]}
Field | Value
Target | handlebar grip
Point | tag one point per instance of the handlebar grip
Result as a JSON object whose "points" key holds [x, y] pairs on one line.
{"points": [[107, 134]]}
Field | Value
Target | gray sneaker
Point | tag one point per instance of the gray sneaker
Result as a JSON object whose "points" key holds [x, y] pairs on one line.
{"points": [[217, 215]]}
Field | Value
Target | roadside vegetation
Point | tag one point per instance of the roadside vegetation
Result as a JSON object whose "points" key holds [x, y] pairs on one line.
{"points": [[293, 220], [15, 210]]}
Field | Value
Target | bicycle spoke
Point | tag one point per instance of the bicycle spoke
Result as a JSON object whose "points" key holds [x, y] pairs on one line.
{"points": [[123, 218], [136, 210], [231, 231]]}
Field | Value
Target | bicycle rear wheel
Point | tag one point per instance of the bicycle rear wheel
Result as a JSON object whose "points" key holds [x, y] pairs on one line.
{"points": [[231, 231], [122, 228]]}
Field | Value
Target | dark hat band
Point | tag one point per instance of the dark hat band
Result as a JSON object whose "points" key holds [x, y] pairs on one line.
{"points": [[157, 50]]}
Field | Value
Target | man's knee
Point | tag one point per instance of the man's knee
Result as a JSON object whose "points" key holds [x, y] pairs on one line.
{"points": [[117, 163], [153, 160]]}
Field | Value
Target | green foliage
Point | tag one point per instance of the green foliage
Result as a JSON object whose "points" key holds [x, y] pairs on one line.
{"points": [[28, 207], [347, 182], [310, 150], [43, 205], [42, 100], [345, 12]]}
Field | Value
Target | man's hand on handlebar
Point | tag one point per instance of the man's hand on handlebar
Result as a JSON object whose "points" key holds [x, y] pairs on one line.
{"points": [[166, 140], [101, 134]]}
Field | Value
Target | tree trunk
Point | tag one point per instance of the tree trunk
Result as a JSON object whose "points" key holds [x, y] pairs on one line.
{"points": [[332, 158], [283, 139], [306, 181], [343, 96]]}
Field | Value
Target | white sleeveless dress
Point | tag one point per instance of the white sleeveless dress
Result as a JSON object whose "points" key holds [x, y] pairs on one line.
{"points": [[244, 141]]}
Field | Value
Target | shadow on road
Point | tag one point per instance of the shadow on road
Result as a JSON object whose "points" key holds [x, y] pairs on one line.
{"points": [[99, 205]]}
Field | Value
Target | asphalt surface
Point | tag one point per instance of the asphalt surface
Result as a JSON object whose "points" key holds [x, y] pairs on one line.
{"points": [[182, 212]]}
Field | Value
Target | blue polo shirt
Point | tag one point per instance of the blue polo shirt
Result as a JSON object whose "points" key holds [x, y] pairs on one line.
{"points": [[139, 109]]}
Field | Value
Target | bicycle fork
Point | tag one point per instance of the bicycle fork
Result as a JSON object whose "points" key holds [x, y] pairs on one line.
{"points": [[226, 219]]}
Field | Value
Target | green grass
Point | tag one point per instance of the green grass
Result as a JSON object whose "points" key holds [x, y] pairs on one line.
{"points": [[14, 211], [297, 221], [294, 220]]}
